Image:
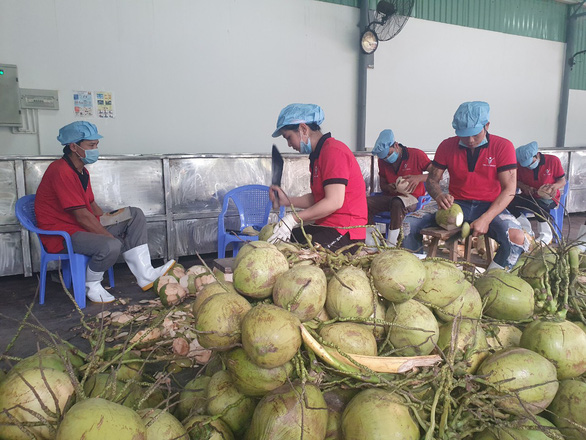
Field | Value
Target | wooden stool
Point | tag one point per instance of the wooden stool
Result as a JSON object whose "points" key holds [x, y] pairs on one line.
{"points": [[224, 265], [436, 233]]}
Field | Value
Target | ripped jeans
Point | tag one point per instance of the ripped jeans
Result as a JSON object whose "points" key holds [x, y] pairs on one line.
{"points": [[508, 252]]}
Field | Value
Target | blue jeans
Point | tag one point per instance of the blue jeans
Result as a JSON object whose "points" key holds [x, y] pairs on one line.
{"points": [[508, 252]]}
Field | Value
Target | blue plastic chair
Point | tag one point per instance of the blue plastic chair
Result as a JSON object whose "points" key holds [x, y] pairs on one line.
{"points": [[254, 206], [557, 213], [73, 265], [385, 216]]}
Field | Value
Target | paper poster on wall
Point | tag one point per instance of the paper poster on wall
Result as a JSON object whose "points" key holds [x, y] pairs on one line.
{"points": [[105, 104], [83, 103]]}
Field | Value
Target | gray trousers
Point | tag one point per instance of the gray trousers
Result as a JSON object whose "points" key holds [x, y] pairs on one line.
{"points": [[104, 251]]}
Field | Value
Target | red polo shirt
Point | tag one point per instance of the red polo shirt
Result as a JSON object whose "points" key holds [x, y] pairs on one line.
{"points": [[549, 170], [474, 172], [413, 161], [333, 162], [59, 193]]}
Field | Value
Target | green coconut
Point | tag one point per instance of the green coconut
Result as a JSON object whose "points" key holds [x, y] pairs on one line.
{"points": [[172, 294], [204, 427], [160, 425], [302, 290], [561, 342], [210, 290], [414, 331], [222, 393], [350, 338], [523, 429], [188, 282], [270, 335], [465, 230], [502, 336], [266, 232], [105, 386], [292, 411], [450, 218], [507, 296], [581, 325], [126, 369], [380, 311], [99, 419], [256, 273], [444, 283], [378, 414], [252, 380], [525, 380], [218, 320], [31, 396], [248, 247], [193, 398], [163, 281], [467, 305], [177, 271], [336, 400], [349, 294], [397, 275], [49, 357], [469, 342], [568, 409]]}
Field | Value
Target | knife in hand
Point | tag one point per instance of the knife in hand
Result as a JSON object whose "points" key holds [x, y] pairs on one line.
{"points": [[277, 173]]}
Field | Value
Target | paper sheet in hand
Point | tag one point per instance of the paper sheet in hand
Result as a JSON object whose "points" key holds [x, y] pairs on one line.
{"points": [[114, 217]]}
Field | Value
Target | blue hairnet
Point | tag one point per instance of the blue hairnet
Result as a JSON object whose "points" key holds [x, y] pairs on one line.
{"points": [[470, 118], [296, 114], [78, 131], [525, 153], [386, 138]]}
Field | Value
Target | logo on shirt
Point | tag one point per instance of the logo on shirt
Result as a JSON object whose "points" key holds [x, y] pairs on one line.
{"points": [[405, 166], [490, 162], [315, 171], [547, 172]]}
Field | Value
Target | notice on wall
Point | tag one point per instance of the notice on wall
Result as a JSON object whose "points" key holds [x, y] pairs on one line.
{"points": [[105, 104], [83, 103]]}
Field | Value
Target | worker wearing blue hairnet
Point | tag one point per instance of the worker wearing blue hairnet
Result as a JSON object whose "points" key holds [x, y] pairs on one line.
{"points": [[65, 202], [401, 179], [337, 201], [483, 179], [540, 178]]}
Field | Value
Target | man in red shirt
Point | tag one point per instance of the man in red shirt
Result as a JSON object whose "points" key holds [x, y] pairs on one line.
{"points": [[540, 178], [396, 160], [65, 202], [337, 202], [483, 179]]}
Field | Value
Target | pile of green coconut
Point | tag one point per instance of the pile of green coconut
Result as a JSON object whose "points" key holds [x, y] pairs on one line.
{"points": [[311, 345]]}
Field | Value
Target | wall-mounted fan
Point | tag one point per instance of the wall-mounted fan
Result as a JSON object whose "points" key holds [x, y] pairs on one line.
{"points": [[385, 22]]}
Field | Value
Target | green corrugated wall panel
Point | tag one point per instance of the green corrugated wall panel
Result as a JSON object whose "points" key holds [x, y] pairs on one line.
{"points": [[544, 19], [578, 76]]}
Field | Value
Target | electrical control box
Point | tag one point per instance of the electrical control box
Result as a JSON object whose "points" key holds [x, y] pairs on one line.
{"points": [[9, 96], [39, 99]]}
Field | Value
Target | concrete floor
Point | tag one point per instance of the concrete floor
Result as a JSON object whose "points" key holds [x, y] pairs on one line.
{"points": [[58, 314]]}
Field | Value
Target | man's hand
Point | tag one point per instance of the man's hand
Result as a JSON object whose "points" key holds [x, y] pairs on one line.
{"points": [[413, 181], [480, 226], [445, 200], [526, 189], [548, 189], [283, 199], [283, 229]]}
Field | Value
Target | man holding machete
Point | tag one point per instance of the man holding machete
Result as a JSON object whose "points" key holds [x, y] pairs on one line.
{"points": [[337, 202]]}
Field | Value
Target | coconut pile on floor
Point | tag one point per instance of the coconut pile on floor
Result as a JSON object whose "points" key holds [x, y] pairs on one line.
{"points": [[309, 344]]}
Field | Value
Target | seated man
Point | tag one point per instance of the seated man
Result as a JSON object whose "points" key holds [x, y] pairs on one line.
{"points": [[540, 178], [65, 202], [483, 179], [396, 160]]}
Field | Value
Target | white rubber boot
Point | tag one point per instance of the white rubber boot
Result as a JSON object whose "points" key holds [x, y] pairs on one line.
{"points": [[93, 287], [545, 235], [393, 237], [139, 262], [525, 224], [582, 238], [494, 265]]}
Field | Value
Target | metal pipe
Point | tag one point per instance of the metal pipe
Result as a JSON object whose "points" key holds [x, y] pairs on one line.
{"points": [[362, 79], [565, 89]]}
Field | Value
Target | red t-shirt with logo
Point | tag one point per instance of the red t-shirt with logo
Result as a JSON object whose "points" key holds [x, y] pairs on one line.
{"points": [[413, 162], [549, 170], [59, 193], [332, 162], [474, 172]]}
